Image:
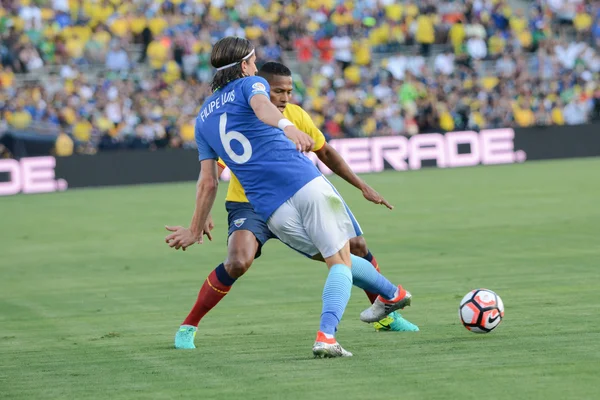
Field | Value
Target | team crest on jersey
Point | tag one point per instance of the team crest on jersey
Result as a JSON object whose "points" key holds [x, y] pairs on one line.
{"points": [[258, 87], [239, 222]]}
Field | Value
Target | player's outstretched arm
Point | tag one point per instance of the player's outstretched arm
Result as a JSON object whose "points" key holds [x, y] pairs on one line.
{"points": [[270, 115], [201, 222], [334, 161]]}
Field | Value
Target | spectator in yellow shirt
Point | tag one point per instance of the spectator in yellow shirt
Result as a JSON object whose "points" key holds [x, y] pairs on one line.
{"points": [[20, 119], [557, 115], [157, 25], [7, 77], [394, 12], [518, 22], [82, 131], [524, 116], [425, 34], [446, 121], [172, 72], [158, 53], [186, 131], [457, 37], [137, 23], [120, 27], [362, 52], [63, 147], [496, 45], [352, 74], [582, 23], [100, 13]]}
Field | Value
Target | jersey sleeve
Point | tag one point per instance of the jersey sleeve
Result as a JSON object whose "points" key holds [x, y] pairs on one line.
{"points": [[254, 85], [307, 125], [205, 152], [221, 163]]}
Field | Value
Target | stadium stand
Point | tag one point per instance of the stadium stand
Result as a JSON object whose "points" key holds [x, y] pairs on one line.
{"points": [[111, 74]]}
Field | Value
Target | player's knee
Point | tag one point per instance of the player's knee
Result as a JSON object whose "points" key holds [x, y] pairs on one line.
{"points": [[358, 246], [238, 263]]}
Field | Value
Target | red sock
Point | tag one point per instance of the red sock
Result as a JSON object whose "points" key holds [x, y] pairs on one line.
{"points": [[374, 262], [369, 257], [211, 292]]}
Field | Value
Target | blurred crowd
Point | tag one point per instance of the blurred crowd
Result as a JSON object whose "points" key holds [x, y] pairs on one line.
{"points": [[109, 74]]}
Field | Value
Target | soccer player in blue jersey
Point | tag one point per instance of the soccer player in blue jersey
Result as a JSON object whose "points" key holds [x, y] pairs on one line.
{"points": [[239, 124], [248, 233]]}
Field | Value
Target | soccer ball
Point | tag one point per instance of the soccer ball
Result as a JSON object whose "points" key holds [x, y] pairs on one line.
{"points": [[481, 311]]}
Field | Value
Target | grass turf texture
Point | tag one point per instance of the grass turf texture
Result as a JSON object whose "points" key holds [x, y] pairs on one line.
{"points": [[91, 296]]}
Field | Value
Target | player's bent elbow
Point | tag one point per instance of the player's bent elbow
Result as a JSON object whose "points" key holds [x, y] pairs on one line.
{"points": [[325, 154], [208, 185]]}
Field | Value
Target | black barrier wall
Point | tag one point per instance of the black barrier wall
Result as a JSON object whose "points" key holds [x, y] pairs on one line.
{"points": [[453, 149], [129, 168], [50, 174], [567, 141]]}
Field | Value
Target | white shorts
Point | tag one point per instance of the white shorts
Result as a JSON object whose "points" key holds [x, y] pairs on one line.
{"points": [[315, 220]]}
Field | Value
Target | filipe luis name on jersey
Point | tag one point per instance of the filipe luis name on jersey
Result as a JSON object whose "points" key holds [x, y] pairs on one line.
{"points": [[216, 104]]}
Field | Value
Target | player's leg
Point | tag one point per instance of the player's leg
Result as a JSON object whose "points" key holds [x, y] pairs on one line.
{"points": [[242, 248], [391, 297], [358, 247], [336, 294], [286, 223], [215, 287], [394, 321], [247, 234]]}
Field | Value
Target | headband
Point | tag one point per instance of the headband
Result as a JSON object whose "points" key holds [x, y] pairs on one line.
{"points": [[237, 62]]}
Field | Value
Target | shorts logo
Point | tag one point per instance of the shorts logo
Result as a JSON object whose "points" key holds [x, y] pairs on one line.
{"points": [[259, 87], [239, 222]]}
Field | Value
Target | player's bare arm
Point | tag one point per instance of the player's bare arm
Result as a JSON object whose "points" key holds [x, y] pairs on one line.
{"points": [[335, 162], [205, 198], [209, 225], [268, 113]]}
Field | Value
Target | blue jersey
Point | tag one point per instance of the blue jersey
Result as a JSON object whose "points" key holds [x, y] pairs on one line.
{"points": [[265, 161]]}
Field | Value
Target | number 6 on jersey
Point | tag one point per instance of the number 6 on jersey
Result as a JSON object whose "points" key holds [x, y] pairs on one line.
{"points": [[227, 137]]}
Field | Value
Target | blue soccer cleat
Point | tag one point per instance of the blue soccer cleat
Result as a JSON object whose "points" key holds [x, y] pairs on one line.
{"points": [[184, 338], [395, 322]]}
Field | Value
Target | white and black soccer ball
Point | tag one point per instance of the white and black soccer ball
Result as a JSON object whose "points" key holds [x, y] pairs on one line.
{"points": [[481, 310]]}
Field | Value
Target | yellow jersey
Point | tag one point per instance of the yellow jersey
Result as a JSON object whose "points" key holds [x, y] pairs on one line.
{"points": [[302, 120]]}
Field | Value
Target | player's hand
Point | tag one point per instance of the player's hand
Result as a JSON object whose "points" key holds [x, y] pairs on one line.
{"points": [[182, 238], [374, 197], [302, 141], [209, 226]]}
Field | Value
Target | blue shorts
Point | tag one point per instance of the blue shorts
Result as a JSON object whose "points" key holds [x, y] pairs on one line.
{"points": [[242, 217]]}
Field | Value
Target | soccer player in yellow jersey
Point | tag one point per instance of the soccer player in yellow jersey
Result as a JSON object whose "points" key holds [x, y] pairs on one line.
{"points": [[248, 232]]}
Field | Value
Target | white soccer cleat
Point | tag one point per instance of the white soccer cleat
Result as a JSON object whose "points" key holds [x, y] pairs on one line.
{"points": [[383, 307], [328, 348]]}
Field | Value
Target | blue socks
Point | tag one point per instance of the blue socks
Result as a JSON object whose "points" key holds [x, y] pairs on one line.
{"points": [[336, 294], [338, 286], [223, 276], [366, 277]]}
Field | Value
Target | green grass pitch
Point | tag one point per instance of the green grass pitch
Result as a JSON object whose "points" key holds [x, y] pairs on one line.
{"points": [[91, 296]]}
